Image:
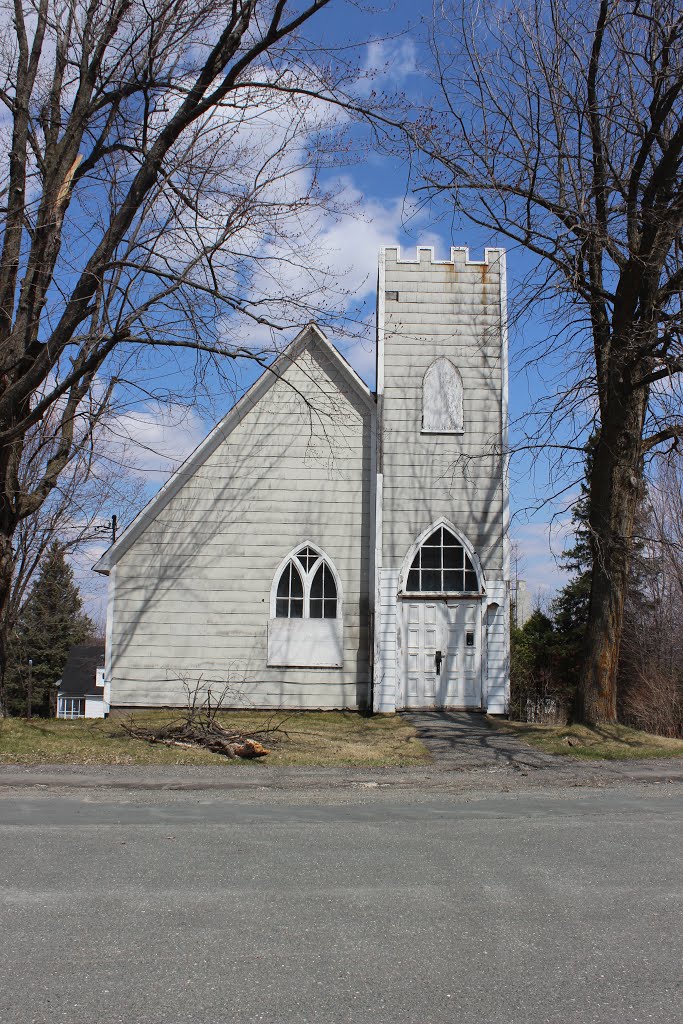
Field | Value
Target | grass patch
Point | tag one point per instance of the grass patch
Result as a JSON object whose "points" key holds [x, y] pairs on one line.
{"points": [[326, 738], [607, 742]]}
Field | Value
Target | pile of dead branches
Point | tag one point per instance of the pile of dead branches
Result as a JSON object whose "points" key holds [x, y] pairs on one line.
{"points": [[211, 736], [197, 726]]}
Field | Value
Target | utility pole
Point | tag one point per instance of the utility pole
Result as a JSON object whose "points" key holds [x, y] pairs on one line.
{"points": [[30, 688], [111, 528]]}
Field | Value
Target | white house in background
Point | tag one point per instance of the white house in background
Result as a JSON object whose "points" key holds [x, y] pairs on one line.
{"points": [[83, 691], [327, 547]]}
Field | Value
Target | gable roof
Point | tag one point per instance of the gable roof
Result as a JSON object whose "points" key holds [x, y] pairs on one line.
{"points": [[310, 335], [78, 677]]}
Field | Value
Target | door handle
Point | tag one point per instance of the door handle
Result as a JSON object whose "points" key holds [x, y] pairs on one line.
{"points": [[437, 662]]}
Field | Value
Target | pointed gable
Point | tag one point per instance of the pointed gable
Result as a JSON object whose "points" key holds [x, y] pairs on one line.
{"points": [[311, 337]]}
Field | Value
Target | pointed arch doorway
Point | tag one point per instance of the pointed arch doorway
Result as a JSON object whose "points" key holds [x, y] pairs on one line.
{"points": [[440, 605]]}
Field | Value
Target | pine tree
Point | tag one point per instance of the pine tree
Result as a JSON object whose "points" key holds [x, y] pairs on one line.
{"points": [[570, 608], [50, 624], [531, 675]]}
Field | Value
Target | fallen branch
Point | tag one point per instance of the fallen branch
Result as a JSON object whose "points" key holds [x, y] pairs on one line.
{"points": [[198, 727], [209, 736]]}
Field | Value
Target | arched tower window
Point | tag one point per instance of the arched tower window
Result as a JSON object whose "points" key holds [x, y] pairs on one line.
{"points": [[442, 398], [306, 587], [441, 565]]}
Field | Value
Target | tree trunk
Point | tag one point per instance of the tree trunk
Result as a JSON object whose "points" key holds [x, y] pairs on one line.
{"points": [[6, 574], [615, 488]]}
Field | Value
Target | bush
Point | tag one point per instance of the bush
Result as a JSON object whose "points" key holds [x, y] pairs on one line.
{"points": [[652, 700], [537, 692]]}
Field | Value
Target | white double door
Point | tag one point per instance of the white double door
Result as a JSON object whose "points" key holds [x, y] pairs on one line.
{"points": [[442, 657]]}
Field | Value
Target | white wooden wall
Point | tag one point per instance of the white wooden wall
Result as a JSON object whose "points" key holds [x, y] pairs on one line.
{"points": [[386, 654], [497, 646], [191, 596], [453, 308]]}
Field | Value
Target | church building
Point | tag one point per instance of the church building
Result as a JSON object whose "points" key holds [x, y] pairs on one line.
{"points": [[330, 547]]}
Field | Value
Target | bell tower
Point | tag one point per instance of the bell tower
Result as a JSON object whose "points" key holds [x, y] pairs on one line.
{"points": [[441, 537]]}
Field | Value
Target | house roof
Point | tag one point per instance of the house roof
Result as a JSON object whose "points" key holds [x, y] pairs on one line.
{"points": [[78, 678], [310, 335]]}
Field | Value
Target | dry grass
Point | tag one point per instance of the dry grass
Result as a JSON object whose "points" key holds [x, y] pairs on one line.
{"points": [[608, 742], [311, 738]]}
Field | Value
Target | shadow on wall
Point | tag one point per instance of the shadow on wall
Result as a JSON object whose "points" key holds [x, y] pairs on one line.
{"points": [[429, 474], [459, 476], [192, 594]]}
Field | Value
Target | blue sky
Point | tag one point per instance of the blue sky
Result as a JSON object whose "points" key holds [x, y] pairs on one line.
{"points": [[385, 212]]}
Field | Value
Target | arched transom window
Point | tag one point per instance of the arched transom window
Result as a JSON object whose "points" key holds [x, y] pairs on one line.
{"points": [[442, 398], [306, 588], [442, 565]]}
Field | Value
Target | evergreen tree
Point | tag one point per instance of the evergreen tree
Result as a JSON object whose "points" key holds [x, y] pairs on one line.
{"points": [[531, 647], [51, 622], [547, 652], [570, 608]]}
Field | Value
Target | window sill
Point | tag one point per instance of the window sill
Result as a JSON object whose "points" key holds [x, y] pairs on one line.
{"points": [[457, 433]]}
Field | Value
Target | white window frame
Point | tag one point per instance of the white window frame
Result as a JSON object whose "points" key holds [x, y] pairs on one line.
{"points": [[307, 578], [306, 642], [65, 707], [469, 550]]}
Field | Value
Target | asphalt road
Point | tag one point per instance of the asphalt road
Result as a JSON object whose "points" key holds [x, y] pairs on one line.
{"points": [[373, 906]]}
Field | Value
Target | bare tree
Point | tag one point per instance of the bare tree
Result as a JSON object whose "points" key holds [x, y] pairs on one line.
{"points": [[666, 512], [651, 667], [562, 130], [76, 513], [161, 188]]}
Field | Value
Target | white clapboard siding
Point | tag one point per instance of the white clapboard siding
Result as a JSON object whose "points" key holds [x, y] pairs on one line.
{"points": [[192, 591], [385, 675], [454, 310], [248, 689], [429, 309], [497, 688]]}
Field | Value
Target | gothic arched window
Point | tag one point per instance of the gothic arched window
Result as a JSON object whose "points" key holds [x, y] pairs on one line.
{"points": [[306, 588], [442, 565], [289, 603], [442, 398]]}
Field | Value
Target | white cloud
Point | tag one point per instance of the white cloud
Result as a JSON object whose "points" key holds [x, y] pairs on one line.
{"points": [[154, 439], [353, 241], [341, 252], [540, 549], [388, 62]]}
